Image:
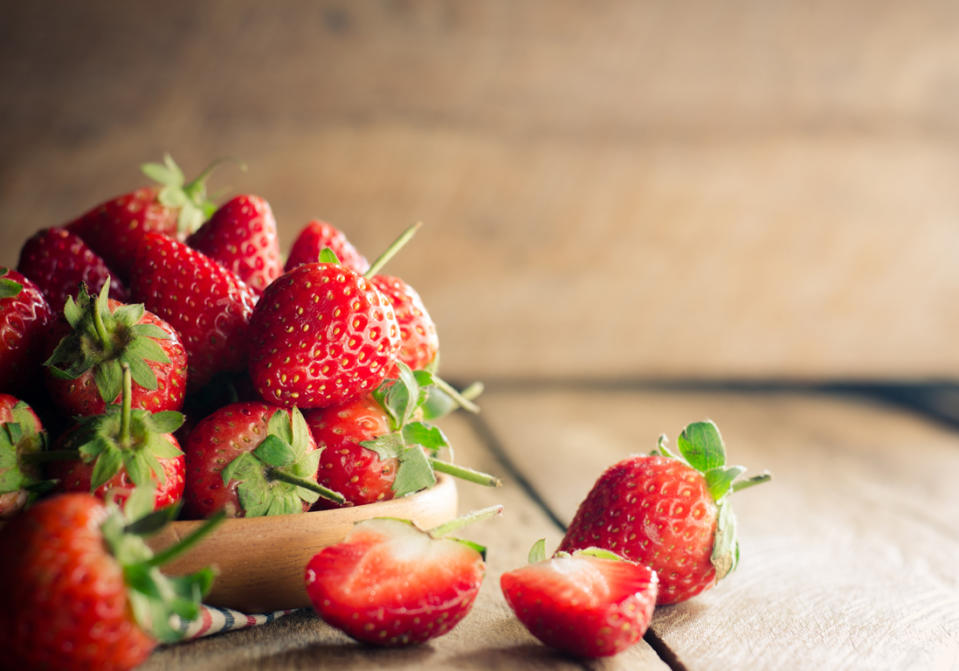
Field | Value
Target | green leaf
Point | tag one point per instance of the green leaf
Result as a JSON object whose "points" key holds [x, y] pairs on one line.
{"points": [[301, 431], [702, 446], [430, 437], [275, 452], [600, 553], [241, 468], [279, 425], [139, 468], [719, 480], [129, 314], [148, 349], [537, 553], [73, 311], [9, 288], [109, 380], [254, 496], [140, 371], [166, 173], [107, 465], [725, 555], [166, 421], [414, 472], [150, 331], [387, 446], [161, 447], [327, 255], [139, 506]]}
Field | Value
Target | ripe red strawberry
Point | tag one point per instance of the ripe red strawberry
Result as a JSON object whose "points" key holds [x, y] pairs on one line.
{"points": [[24, 318], [592, 603], [251, 459], [58, 262], [669, 512], [122, 449], [241, 236], [84, 373], [319, 235], [209, 306], [417, 330], [390, 583], [81, 592], [376, 447], [21, 434], [320, 335]]}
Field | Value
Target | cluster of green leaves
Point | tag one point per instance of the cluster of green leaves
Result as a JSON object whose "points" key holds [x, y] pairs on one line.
{"points": [[284, 451], [155, 597], [102, 340], [175, 192], [701, 447]]}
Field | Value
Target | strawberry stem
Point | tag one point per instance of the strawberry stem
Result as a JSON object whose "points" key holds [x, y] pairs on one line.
{"points": [[464, 473], [188, 542], [391, 251], [460, 398], [98, 324], [127, 407], [463, 520], [329, 494], [750, 482]]}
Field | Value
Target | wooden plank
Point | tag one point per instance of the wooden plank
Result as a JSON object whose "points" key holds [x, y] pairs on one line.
{"points": [[602, 184], [848, 555], [489, 638]]}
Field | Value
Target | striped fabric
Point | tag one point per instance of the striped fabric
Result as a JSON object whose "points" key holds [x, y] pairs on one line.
{"points": [[214, 620]]}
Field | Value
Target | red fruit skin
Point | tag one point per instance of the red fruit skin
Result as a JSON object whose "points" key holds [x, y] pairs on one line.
{"points": [[417, 329], [209, 306], [210, 447], [321, 335], [241, 236], [656, 511], [24, 319], [58, 261], [80, 397], [12, 502], [319, 235], [115, 228], [364, 589], [591, 607], [76, 476], [346, 466], [63, 602]]}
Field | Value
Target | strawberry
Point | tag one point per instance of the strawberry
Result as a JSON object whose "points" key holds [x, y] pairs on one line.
{"points": [[241, 236], [417, 330], [24, 318], [115, 228], [390, 583], [252, 459], [209, 306], [376, 447], [84, 372], [592, 603], [83, 591], [122, 449], [319, 235], [669, 512], [321, 334], [58, 262], [21, 434]]}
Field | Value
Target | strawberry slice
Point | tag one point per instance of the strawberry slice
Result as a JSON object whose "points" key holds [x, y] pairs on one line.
{"points": [[592, 603], [390, 583]]}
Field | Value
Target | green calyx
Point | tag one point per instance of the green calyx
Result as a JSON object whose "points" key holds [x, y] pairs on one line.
{"points": [[8, 288], [537, 553], [190, 197], [103, 341], [412, 442], [279, 475], [155, 597], [701, 447], [18, 440], [121, 437]]}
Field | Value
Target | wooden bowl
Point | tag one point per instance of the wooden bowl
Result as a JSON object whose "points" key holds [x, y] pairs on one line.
{"points": [[261, 560]]}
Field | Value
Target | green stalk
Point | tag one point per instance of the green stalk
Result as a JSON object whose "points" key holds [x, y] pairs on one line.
{"points": [[464, 473], [127, 408], [188, 542], [461, 400], [329, 494], [468, 518], [751, 482], [392, 250]]}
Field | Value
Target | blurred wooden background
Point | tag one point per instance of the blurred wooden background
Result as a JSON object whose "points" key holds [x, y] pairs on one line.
{"points": [[648, 189]]}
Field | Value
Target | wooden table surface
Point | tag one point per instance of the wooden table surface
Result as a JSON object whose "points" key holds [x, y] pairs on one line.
{"points": [[849, 554]]}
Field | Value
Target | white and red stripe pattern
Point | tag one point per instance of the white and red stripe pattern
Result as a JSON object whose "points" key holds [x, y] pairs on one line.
{"points": [[214, 620]]}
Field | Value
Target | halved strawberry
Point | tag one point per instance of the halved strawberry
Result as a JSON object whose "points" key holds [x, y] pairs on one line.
{"points": [[251, 459], [209, 306], [241, 236], [319, 235], [59, 261], [390, 583], [84, 373], [592, 603]]}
